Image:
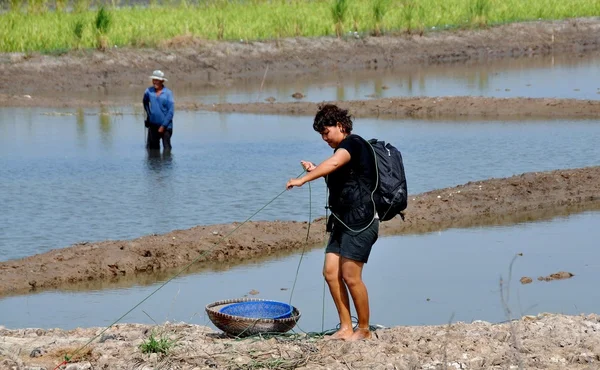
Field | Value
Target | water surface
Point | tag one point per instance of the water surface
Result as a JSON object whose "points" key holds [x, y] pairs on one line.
{"points": [[412, 280], [87, 176], [563, 76]]}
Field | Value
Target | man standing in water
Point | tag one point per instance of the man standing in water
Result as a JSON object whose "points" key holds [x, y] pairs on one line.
{"points": [[351, 176], [160, 108]]}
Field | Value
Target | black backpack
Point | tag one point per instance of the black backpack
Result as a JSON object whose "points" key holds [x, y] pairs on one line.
{"points": [[391, 194]]}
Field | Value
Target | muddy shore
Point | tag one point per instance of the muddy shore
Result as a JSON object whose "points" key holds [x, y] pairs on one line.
{"points": [[459, 107], [34, 80], [545, 341], [429, 107], [489, 202], [201, 63]]}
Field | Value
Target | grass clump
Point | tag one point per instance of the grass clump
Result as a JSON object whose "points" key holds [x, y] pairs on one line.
{"points": [[380, 7], [160, 345], [338, 13], [413, 17], [78, 29], [478, 12], [102, 23], [220, 26]]}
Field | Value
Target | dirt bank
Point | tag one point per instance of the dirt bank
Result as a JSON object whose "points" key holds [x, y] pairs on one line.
{"points": [[495, 201], [427, 107], [203, 63], [31, 80], [470, 107], [546, 341]]}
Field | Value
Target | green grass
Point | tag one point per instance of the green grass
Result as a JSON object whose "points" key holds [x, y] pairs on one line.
{"points": [[339, 9], [102, 22], [36, 25], [157, 345], [380, 7]]}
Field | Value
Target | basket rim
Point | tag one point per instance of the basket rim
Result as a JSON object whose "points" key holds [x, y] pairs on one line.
{"points": [[210, 307], [287, 307]]}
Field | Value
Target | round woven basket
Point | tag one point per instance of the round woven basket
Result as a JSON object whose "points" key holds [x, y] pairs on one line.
{"points": [[239, 326]]}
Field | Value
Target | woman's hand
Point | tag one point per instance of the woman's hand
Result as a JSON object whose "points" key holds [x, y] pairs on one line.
{"points": [[294, 182], [308, 166]]}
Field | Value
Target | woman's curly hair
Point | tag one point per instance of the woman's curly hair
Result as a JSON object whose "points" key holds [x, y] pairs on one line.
{"points": [[330, 115]]}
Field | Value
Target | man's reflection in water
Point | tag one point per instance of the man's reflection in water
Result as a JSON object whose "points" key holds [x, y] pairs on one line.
{"points": [[160, 186], [159, 161]]}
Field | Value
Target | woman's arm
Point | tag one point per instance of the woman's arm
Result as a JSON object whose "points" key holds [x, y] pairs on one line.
{"points": [[337, 160]]}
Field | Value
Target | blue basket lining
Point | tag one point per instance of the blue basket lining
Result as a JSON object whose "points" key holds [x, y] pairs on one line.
{"points": [[259, 309]]}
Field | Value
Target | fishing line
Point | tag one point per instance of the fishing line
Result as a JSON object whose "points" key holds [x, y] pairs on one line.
{"points": [[323, 331], [68, 358], [305, 242]]}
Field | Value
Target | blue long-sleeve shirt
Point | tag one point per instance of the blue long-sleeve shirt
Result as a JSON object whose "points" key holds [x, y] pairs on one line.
{"points": [[159, 109]]}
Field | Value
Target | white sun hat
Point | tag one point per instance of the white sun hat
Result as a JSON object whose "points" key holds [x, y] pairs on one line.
{"points": [[158, 75]]}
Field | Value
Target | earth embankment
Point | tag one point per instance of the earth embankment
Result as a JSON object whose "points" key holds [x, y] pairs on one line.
{"points": [[490, 202], [200, 63]]}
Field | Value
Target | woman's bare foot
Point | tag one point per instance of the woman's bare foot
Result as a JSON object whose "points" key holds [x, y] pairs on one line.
{"points": [[342, 334], [360, 334]]}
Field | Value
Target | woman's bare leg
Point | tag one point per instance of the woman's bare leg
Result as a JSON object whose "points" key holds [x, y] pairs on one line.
{"points": [[352, 277], [339, 293]]}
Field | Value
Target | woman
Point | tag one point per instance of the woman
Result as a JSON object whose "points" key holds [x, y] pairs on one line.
{"points": [[351, 177]]}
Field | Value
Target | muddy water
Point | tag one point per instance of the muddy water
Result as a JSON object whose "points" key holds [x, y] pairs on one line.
{"points": [[85, 176], [547, 77], [421, 279], [562, 76]]}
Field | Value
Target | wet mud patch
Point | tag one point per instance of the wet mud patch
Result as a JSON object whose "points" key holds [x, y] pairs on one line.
{"points": [[561, 275]]}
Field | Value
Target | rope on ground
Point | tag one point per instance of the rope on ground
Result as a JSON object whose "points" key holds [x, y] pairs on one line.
{"points": [[68, 358], [304, 334]]}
